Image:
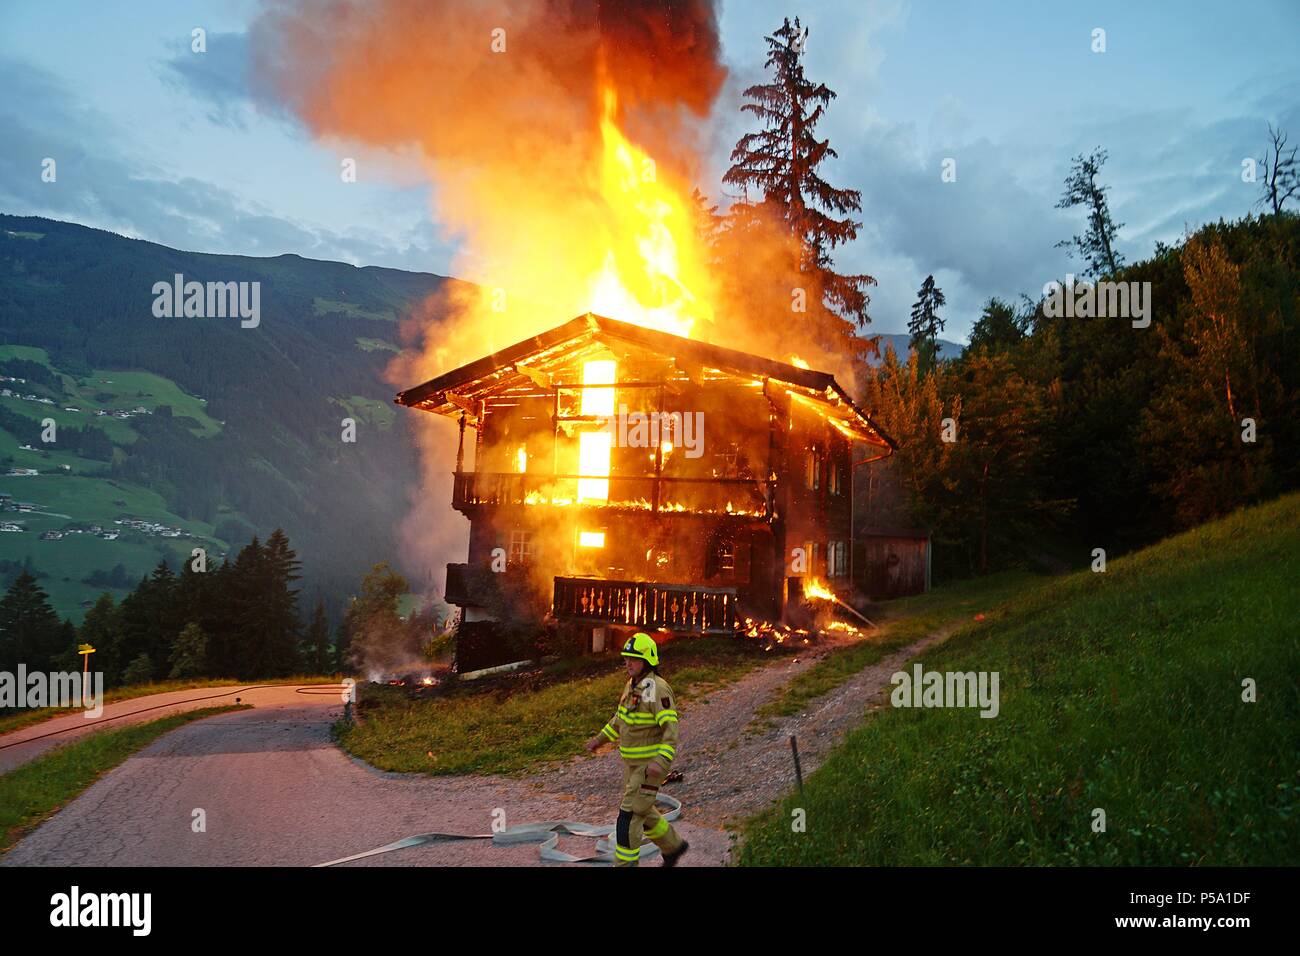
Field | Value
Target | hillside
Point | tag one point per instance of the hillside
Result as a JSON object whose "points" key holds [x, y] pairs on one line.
{"points": [[201, 431], [900, 344], [1120, 691]]}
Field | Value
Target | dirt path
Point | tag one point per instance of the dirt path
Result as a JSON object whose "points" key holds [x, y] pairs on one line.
{"points": [[730, 771]]}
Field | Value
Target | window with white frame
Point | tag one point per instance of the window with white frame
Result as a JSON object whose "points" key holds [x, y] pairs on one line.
{"points": [[837, 559], [521, 546]]}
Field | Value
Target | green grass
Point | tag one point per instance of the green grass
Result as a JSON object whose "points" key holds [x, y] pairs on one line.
{"points": [[125, 389], [1120, 691], [377, 345], [131, 388], [26, 718], [67, 561], [77, 494], [367, 411], [36, 790], [907, 620], [327, 306], [516, 726]]}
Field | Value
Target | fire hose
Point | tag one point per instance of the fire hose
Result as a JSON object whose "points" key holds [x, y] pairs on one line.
{"points": [[546, 834]]}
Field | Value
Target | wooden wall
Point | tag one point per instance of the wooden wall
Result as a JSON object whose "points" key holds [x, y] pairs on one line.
{"points": [[889, 566]]}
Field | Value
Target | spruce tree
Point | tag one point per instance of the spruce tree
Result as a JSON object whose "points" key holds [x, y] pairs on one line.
{"points": [[282, 627], [102, 631], [245, 594], [150, 618], [316, 645], [30, 631], [925, 324], [780, 162]]}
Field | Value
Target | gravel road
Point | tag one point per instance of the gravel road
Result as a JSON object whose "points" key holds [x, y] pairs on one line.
{"points": [[274, 790]]}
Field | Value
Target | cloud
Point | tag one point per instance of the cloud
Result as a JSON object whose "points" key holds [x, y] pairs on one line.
{"points": [[223, 78], [100, 185]]}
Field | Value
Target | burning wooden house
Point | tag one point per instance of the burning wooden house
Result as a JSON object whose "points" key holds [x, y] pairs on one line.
{"points": [[623, 476]]}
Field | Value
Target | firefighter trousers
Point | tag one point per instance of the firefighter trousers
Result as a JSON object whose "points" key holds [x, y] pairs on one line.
{"points": [[638, 818]]}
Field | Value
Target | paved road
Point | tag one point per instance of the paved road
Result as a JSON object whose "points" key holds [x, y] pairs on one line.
{"points": [[20, 746], [276, 791]]}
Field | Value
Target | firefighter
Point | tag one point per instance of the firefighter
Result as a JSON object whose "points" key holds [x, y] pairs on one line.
{"points": [[645, 727]]}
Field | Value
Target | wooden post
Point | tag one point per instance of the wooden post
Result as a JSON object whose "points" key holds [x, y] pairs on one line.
{"points": [[798, 771], [659, 450], [460, 447], [555, 434]]}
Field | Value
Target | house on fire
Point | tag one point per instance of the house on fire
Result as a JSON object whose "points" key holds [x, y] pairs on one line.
{"points": [[623, 476]]}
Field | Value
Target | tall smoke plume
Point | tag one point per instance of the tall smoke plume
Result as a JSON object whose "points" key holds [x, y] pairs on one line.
{"points": [[508, 107]]}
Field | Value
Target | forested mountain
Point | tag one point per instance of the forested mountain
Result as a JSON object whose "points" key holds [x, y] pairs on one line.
{"points": [[236, 431]]}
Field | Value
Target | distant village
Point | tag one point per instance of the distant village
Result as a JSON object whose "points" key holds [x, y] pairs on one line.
{"points": [[7, 392], [141, 526], [120, 414]]}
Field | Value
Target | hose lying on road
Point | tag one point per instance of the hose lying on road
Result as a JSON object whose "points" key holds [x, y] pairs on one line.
{"points": [[546, 833]]}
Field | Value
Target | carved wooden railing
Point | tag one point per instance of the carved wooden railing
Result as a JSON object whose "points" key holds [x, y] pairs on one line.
{"points": [[677, 607]]}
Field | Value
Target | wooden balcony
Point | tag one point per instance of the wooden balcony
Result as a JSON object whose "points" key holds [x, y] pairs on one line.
{"points": [[688, 608], [663, 495]]}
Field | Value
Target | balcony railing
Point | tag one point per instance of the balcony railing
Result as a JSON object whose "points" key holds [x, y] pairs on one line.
{"points": [[739, 496], [678, 607]]}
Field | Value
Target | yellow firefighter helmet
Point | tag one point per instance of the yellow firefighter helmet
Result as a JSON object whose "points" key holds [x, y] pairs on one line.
{"points": [[643, 646]]}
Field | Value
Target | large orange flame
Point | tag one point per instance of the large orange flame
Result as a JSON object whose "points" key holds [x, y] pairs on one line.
{"points": [[653, 273]]}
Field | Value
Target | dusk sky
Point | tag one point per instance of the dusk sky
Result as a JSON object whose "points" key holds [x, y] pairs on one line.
{"points": [[155, 142]]}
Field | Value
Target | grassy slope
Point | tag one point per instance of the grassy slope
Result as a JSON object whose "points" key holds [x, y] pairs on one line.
{"points": [[34, 791], [910, 619], [67, 561], [508, 728], [1120, 691]]}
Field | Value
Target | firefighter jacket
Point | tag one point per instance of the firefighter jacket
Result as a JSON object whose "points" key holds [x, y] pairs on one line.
{"points": [[645, 724]]}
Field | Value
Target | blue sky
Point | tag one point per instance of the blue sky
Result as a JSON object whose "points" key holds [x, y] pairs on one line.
{"points": [[155, 142]]}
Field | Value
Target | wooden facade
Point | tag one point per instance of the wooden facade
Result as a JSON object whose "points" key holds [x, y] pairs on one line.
{"points": [[892, 564], [618, 475]]}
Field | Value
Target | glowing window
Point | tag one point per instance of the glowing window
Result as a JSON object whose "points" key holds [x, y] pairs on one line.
{"points": [[598, 401], [593, 466]]}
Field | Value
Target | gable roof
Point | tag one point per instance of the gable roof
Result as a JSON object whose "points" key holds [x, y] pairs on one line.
{"points": [[564, 342]]}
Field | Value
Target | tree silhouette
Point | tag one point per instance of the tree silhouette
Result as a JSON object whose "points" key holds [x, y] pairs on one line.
{"points": [[780, 161], [30, 630], [1281, 175], [1097, 244], [925, 324]]}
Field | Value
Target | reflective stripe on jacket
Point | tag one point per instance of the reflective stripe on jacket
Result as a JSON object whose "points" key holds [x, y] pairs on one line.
{"points": [[645, 724]]}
